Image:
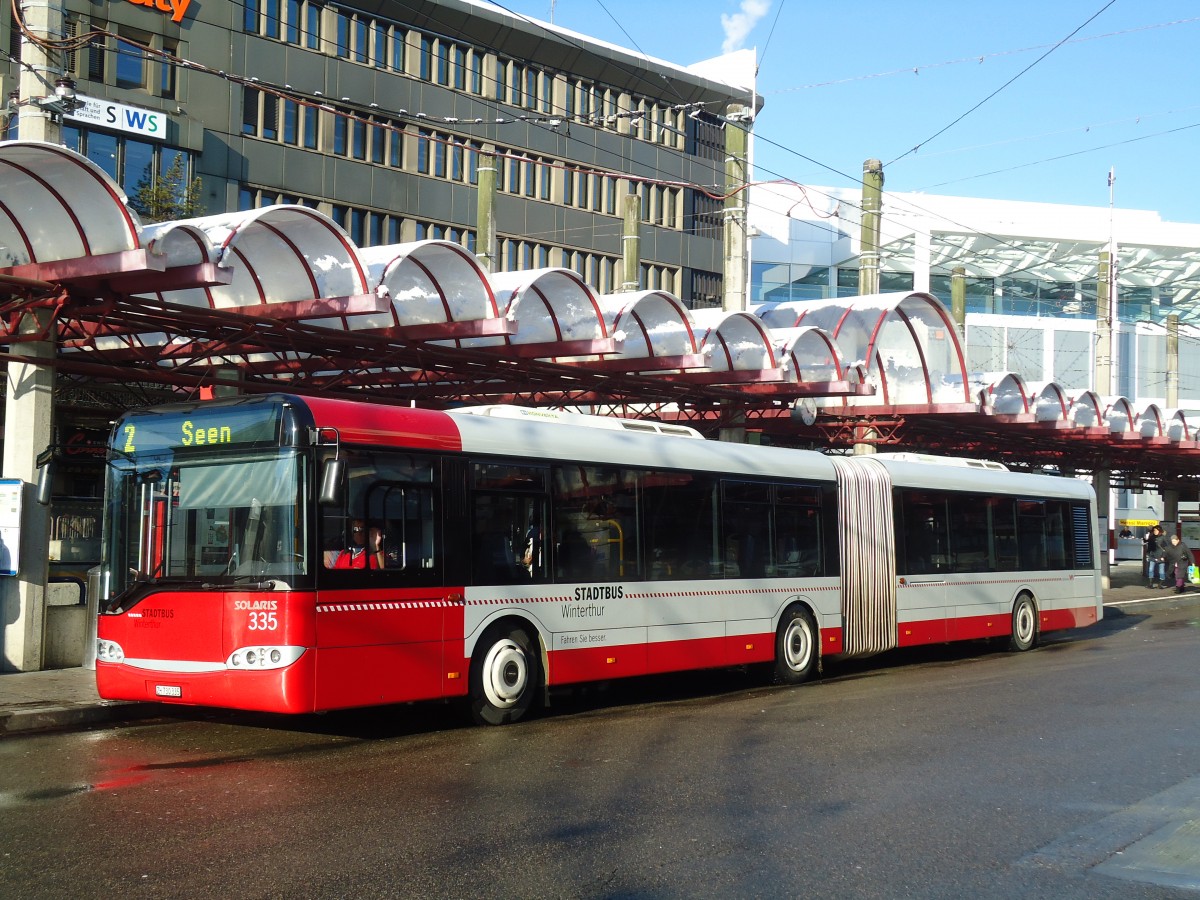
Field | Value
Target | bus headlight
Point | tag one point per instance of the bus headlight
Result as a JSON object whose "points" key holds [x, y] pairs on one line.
{"points": [[109, 651], [260, 658]]}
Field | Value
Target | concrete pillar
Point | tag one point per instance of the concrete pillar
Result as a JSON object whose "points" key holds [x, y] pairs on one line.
{"points": [[631, 241], [40, 69], [872, 206], [739, 120], [735, 431], [1101, 483], [28, 423], [1103, 378], [865, 437], [485, 224], [958, 299], [1170, 498], [29, 389], [1172, 396]]}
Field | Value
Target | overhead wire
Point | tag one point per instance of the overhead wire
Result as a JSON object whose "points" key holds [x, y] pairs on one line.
{"points": [[770, 34], [978, 58], [1062, 156], [1002, 87]]}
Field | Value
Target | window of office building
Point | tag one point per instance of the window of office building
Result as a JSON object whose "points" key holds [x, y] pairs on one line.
{"points": [[1026, 352], [1151, 365], [1135, 304], [437, 231], [130, 162], [847, 282], [980, 292], [707, 289], [132, 70], [985, 348], [780, 282], [1072, 359], [296, 22], [1007, 349]]}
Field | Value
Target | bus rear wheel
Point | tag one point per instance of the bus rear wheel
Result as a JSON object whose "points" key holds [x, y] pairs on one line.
{"points": [[1024, 624], [796, 654], [505, 676]]}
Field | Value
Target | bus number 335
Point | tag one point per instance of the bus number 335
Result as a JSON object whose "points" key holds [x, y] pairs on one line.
{"points": [[263, 621]]}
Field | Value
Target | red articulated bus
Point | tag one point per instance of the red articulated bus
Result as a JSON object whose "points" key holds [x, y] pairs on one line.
{"points": [[293, 555]]}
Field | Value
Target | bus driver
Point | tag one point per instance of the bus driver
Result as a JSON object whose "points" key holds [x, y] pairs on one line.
{"points": [[365, 550]]}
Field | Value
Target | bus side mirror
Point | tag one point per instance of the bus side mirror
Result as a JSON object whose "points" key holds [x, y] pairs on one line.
{"points": [[45, 483], [332, 477]]}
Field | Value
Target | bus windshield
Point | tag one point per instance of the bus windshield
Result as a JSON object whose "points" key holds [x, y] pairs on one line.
{"points": [[217, 521]]}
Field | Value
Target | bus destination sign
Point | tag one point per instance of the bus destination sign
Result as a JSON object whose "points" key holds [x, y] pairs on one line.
{"points": [[216, 427]]}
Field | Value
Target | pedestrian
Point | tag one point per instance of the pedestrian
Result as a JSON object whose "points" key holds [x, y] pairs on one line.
{"points": [[1152, 554], [1177, 557]]}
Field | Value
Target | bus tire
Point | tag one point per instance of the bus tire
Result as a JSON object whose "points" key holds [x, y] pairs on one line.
{"points": [[796, 646], [506, 675], [1024, 634]]}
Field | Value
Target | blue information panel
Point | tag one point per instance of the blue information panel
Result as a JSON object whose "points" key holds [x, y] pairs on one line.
{"points": [[10, 525]]}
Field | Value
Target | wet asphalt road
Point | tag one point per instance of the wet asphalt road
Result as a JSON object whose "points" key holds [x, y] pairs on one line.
{"points": [[950, 772]]}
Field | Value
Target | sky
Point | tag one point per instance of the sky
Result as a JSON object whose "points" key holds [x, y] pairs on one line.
{"points": [[1023, 100]]}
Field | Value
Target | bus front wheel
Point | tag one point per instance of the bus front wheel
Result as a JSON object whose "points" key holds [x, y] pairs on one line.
{"points": [[1024, 624], [505, 675], [796, 647]]}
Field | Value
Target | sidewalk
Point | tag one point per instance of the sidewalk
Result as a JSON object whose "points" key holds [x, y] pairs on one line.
{"points": [[67, 698]]}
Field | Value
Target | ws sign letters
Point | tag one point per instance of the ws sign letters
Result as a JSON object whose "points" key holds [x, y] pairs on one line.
{"points": [[145, 122]]}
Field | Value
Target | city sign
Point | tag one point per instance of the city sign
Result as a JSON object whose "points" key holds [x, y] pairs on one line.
{"points": [[177, 8]]}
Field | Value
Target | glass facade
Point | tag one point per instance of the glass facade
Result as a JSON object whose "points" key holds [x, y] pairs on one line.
{"points": [[783, 282]]}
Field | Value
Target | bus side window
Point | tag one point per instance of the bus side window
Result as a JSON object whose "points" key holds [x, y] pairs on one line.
{"points": [[508, 512], [507, 545], [800, 545], [923, 533], [595, 523]]}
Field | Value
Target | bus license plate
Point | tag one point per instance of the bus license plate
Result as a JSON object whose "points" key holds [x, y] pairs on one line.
{"points": [[168, 690]]}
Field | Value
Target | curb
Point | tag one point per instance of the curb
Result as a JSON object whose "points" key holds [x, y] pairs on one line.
{"points": [[50, 718]]}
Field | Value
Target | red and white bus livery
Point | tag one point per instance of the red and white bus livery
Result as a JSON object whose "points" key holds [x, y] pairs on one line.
{"points": [[512, 551]]}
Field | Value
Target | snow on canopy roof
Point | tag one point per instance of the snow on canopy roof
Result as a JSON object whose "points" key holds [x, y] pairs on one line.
{"points": [[429, 282], [1008, 396], [807, 354], [58, 205], [1119, 415], [1175, 424], [906, 341], [1011, 395], [548, 305], [734, 341], [1048, 401], [651, 323], [1085, 410], [1151, 423], [277, 254]]}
